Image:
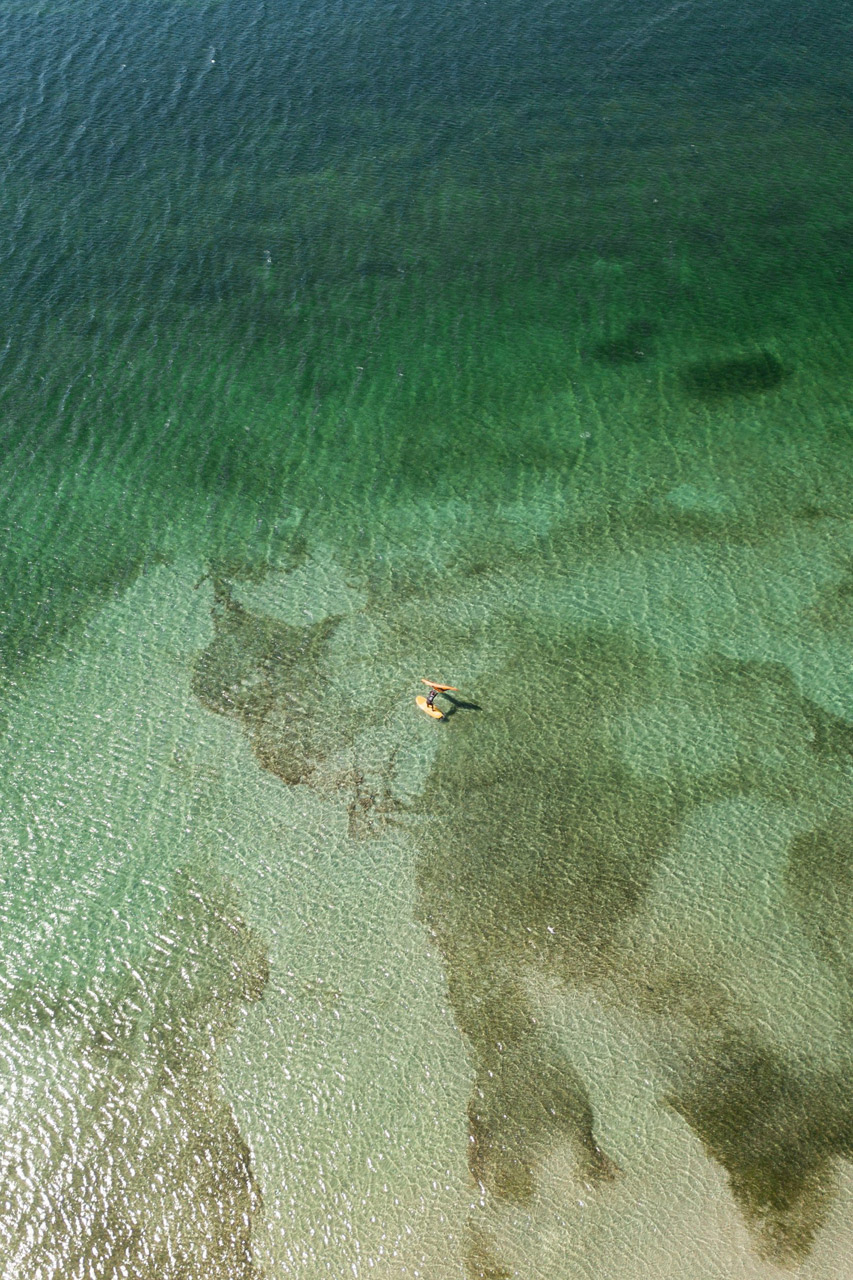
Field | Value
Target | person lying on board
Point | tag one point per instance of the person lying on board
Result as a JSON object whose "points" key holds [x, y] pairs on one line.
{"points": [[437, 688]]}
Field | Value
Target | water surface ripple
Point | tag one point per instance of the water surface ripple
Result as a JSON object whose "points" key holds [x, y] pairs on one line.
{"points": [[347, 345]]}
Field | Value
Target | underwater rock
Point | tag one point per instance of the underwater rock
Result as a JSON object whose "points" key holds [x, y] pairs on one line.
{"points": [[539, 850], [539, 860], [133, 1160], [819, 884], [775, 1135], [628, 347], [268, 676], [739, 376]]}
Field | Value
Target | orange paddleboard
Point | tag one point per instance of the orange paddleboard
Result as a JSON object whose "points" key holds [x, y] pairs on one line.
{"points": [[431, 711]]}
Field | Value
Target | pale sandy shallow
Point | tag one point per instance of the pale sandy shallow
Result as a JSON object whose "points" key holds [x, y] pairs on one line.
{"points": [[345, 1071], [347, 1079]]}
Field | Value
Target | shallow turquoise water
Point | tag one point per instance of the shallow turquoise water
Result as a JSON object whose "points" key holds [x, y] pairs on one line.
{"points": [[508, 347]]}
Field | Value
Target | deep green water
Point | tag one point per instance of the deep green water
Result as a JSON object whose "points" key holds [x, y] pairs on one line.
{"points": [[508, 345]]}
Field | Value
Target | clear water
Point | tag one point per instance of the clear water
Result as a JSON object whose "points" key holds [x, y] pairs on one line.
{"points": [[505, 345]]}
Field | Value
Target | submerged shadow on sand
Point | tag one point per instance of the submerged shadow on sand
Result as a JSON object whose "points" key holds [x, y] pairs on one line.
{"points": [[457, 704]]}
